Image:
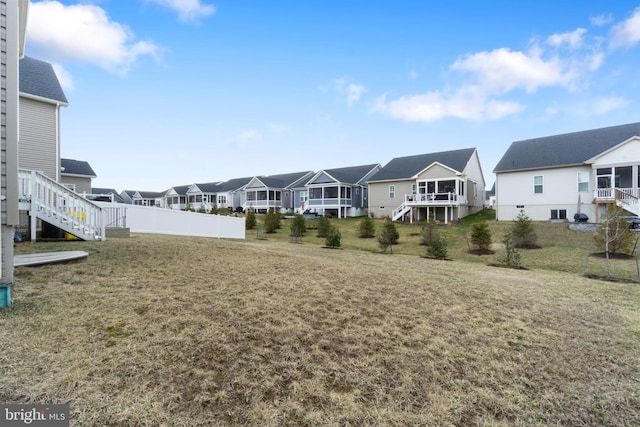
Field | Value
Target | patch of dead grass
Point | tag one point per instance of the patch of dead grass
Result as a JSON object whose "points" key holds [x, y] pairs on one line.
{"points": [[160, 330]]}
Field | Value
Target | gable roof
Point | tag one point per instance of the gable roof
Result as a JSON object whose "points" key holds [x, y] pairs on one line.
{"points": [[285, 180], [76, 167], [564, 150], [107, 192], [346, 175], [233, 184], [37, 78], [180, 190], [409, 166]]}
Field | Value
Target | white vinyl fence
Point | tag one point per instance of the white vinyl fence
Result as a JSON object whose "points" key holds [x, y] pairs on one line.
{"points": [[145, 219]]}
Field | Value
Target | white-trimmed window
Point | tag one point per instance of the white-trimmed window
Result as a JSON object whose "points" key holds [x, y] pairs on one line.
{"points": [[414, 189], [537, 184], [583, 181], [392, 191], [558, 214]]}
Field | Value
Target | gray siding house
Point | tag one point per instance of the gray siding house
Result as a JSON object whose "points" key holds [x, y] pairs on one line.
{"points": [[274, 191], [13, 20], [447, 185], [76, 175], [41, 98], [341, 192]]}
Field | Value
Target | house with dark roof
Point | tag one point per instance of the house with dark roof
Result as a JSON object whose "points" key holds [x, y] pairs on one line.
{"points": [[275, 191], [76, 175], [176, 197], [143, 198], [105, 195], [555, 177], [221, 194], [41, 98], [446, 186], [341, 192], [202, 196]]}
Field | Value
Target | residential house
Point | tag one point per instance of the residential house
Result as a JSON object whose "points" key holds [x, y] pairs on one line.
{"points": [[176, 197], [41, 98], [13, 24], [230, 193], [202, 196], [105, 195], [555, 177], [143, 198], [446, 186], [76, 175], [341, 192], [274, 191]]}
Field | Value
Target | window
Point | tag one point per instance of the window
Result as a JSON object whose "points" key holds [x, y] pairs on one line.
{"points": [[558, 214], [303, 196], [624, 177], [315, 193], [413, 189], [603, 177], [583, 181], [71, 187], [392, 191], [537, 184]]}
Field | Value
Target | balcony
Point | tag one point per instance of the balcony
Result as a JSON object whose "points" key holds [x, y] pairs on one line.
{"points": [[434, 199]]}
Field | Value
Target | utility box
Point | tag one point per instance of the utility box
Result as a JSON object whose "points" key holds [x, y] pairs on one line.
{"points": [[5, 296]]}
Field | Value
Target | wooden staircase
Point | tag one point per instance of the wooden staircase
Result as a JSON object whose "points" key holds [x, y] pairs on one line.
{"points": [[53, 203], [627, 201], [400, 211]]}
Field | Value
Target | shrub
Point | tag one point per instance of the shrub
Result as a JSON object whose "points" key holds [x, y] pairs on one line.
{"points": [[429, 232], [512, 256], [523, 231], [324, 226], [437, 248], [298, 226], [271, 221], [333, 237], [481, 235], [366, 228], [250, 222], [388, 235], [614, 235]]}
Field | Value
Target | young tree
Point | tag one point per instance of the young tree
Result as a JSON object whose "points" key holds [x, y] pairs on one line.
{"points": [[438, 248], [481, 235], [614, 234], [298, 226], [429, 232], [333, 237], [388, 235], [323, 226], [250, 222], [271, 221], [512, 256], [366, 228], [523, 231]]}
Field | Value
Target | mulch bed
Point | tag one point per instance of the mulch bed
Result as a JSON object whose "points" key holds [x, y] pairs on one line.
{"points": [[481, 252], [610, 278]]}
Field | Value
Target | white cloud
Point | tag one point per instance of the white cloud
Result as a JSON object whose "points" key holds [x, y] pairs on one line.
{"points": [[433, 106], [627, 32], [572, 39], [604, 105], [188, 10], [85, 33], [353, 93], [601, 20], [503, 70]]}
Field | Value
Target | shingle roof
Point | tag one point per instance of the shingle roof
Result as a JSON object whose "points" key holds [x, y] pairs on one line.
{"points": [[107, 191], [180, 190], [233, 184], [408, 167], [564, 150], [76, 167], [351, 174], [38, 78], [283, 180]]}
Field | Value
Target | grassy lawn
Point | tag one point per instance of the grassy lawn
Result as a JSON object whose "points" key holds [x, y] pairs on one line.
{"points": [[162, 330]]}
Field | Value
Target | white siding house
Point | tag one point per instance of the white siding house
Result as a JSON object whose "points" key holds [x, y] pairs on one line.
{"points": [[555, 177]]}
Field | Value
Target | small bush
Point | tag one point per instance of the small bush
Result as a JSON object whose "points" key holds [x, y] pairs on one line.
{"points": [[250, 222], [298, 226], [523, 231], [481, 235], [333, 238], [512, 256], [367, 228], [438, 248], [614, 236], [429, 232], [388, 235], [271, 221]]}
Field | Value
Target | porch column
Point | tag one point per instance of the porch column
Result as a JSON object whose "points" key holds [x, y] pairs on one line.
{"points": [[446, 215], [339, 201]]}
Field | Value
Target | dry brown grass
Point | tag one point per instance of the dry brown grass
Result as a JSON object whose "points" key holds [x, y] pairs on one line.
{"points": [[160, 330]]}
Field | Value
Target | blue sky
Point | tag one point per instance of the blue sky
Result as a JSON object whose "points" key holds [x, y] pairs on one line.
{"points": [[174, 92]]}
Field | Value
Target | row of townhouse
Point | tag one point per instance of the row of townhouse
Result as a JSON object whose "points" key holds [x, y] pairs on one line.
{"points": [[445, 185], [550, 178]]}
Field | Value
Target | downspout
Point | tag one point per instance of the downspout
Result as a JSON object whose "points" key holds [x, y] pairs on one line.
{"points": [[58, 141]]}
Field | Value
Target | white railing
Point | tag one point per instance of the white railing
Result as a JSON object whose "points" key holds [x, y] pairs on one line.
{"points": [[399, 211], [56, 204], [433, 199], [628, 201], [610, 193]]}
